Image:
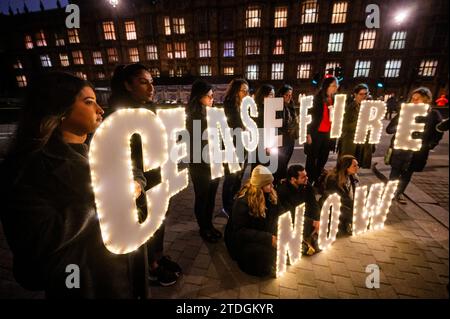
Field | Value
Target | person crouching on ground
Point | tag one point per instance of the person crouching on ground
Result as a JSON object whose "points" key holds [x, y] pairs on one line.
{"points": [[250, 234], [294, 191], [343, 181]]}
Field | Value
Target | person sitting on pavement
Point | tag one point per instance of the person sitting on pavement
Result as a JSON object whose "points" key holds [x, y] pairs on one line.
{"points": [[405, 162], [294, 191], [343, 181], [250, 234]]}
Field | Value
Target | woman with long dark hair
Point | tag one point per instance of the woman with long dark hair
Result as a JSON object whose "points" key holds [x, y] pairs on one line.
{"points": [[49, 213], [405, 162], [205, 188], [318, 143], [289, 131], [236, 91], [132, 87], [343, 180]]}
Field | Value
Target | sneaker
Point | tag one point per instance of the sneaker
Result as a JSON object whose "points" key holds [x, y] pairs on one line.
{"points": [[162, 276], [401, 199], [170, 265]]}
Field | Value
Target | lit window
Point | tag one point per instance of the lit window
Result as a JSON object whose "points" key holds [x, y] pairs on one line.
{"points": [[28, 42], [171, 73], [155, 72], [152, 52], [331, 66], [205, 70], [101, 75], [339, 12], [277, 71], [253, 17], [133, 55], [362, 69], [252, 72], [178, 25], [72, 34], [392, 68], [280, 20], [278, 48], [306, 43], [112, 55], [109, 31], [228, 49], [252, 46], [228, 70], [59, 40], [169, 50], [180, 72], [97, 56], [40, 39], [304, 71], [398, 40], [64, 59], [428, 68], [335, 42], [367, 39], [167, 26], [77, 57], [310, 11], [204, 49], [21, 81], [18, 65], [81, 75], [180, 50], [130, 30], [45, 61]]}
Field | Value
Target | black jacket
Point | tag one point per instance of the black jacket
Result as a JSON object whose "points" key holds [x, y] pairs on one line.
{"points": [[290, 197], [50, 221], [243, 228]]}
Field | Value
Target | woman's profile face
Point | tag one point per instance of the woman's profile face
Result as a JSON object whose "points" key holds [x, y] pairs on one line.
{"points": [[353, 169], [85, 115], [287, 97], [361, 95], [243, 92], [141, 87], [267, 188], [332, 89], [271, 93], [416, 98], [208, 99]]}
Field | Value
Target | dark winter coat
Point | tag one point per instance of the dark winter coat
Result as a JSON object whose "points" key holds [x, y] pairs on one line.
{"points": [[407, 159], [50, 221], [290, 197], [243, 228]]}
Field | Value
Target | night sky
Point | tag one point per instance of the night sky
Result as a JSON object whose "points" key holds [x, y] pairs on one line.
{"points": [[33, 5]]}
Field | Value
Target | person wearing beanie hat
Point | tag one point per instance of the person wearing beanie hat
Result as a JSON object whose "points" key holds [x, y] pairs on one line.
{"points": [[205, 188], [250, 234]]}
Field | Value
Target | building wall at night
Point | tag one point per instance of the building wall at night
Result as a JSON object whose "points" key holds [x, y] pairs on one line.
{"points": [[273, 42]]}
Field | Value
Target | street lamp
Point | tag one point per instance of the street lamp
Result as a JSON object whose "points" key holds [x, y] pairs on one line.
{"points": [[401, 16], [114, 3]]}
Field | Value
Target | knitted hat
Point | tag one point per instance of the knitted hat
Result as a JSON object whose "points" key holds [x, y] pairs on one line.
{"points": [[261, 176]]}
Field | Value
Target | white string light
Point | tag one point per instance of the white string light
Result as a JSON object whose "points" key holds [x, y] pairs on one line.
{"points": [[337, 115], [289, 239], [306, 102], [174, 121], [271, 106], [371, 114], [112, 177], [250, 137], [332, 202], [407, 125], [218, 131]]}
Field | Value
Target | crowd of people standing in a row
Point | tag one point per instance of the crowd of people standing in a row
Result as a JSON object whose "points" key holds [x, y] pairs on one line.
{"points": [[49, 215]]}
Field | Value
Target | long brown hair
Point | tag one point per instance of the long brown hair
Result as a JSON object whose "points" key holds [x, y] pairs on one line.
{"points": [[340, 171], [256, 200]]}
